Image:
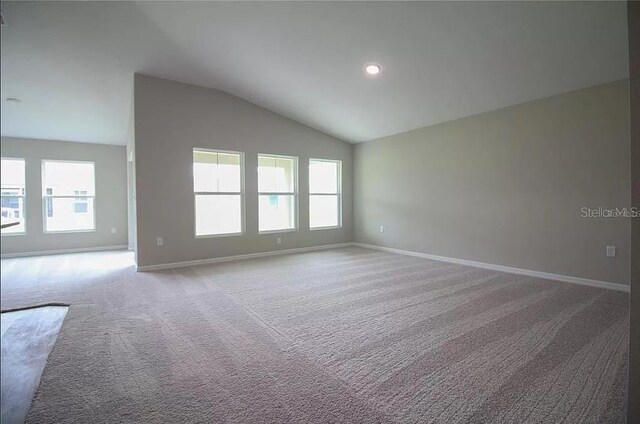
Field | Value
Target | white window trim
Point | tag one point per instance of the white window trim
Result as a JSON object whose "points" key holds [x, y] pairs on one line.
{"points": [[220, 193], [24, 200], [45, 196], [293, 193], [339, 194]]}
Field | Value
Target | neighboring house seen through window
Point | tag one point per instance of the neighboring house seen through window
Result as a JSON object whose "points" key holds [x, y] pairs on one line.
{"points": [[12, 195], [68, 195]]}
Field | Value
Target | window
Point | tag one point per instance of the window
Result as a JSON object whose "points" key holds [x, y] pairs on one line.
{"points": [[12, 195], [277, 193], [218, 192], [68, 190], [325, 202]]}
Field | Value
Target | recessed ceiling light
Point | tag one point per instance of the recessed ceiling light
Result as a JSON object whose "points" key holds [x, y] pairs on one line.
{"points": [[14, 100], [372, 69]]}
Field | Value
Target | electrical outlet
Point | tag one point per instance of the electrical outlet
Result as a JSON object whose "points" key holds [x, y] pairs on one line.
{"points": [[611, 251], [382, 228], [113, 230], [159, 241], [279, 240]]}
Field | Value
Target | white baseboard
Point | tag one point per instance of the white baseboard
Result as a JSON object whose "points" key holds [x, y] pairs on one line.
{"points": [[493, 267], [507, 269], [158, 267], [62, 251]]}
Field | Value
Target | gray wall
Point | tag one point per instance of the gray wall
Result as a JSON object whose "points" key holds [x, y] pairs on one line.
{"points": [[171, 119], [634, 333], [506, 187], [110, 203]]}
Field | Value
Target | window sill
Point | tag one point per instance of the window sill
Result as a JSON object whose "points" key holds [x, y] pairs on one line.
{"points": [[70, 231], [286, 230], [206, 236], [335, 227], [22, 233]]}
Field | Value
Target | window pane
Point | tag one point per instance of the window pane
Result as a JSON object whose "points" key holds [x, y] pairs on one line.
{"points": [[266, 174], [323, 177], [323, 211], [65, 178], [12, 211], [205, 171], [218, 214], [285, 179], [216, 172], [69, 214], [276, 175], [12, 176], [276, 212], [229, 172]]}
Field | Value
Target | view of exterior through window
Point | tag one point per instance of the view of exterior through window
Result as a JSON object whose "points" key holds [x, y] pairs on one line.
{"points": [[68, 190], [68, 193], [277, 193], [218, 192], [325, 202], [12, 196]]}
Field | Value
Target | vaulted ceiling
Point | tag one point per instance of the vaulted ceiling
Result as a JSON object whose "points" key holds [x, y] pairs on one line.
{"points": [[72, 64]]}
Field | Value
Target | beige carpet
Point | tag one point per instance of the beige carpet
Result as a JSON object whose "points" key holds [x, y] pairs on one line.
{"points": [[348, 335]]}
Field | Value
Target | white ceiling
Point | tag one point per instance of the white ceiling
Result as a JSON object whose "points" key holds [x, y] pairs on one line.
{"points": [[72, 64]]}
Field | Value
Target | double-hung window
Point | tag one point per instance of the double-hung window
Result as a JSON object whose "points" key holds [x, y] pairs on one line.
{"points": [[325, 193], [68, 193], [218, 191], [277, 193], [12, 196]]}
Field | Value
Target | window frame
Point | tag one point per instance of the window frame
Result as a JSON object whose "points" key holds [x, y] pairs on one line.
{"points": [[53, 196], [24, 199], [338, 194], [219, 193], [295, 203]]}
